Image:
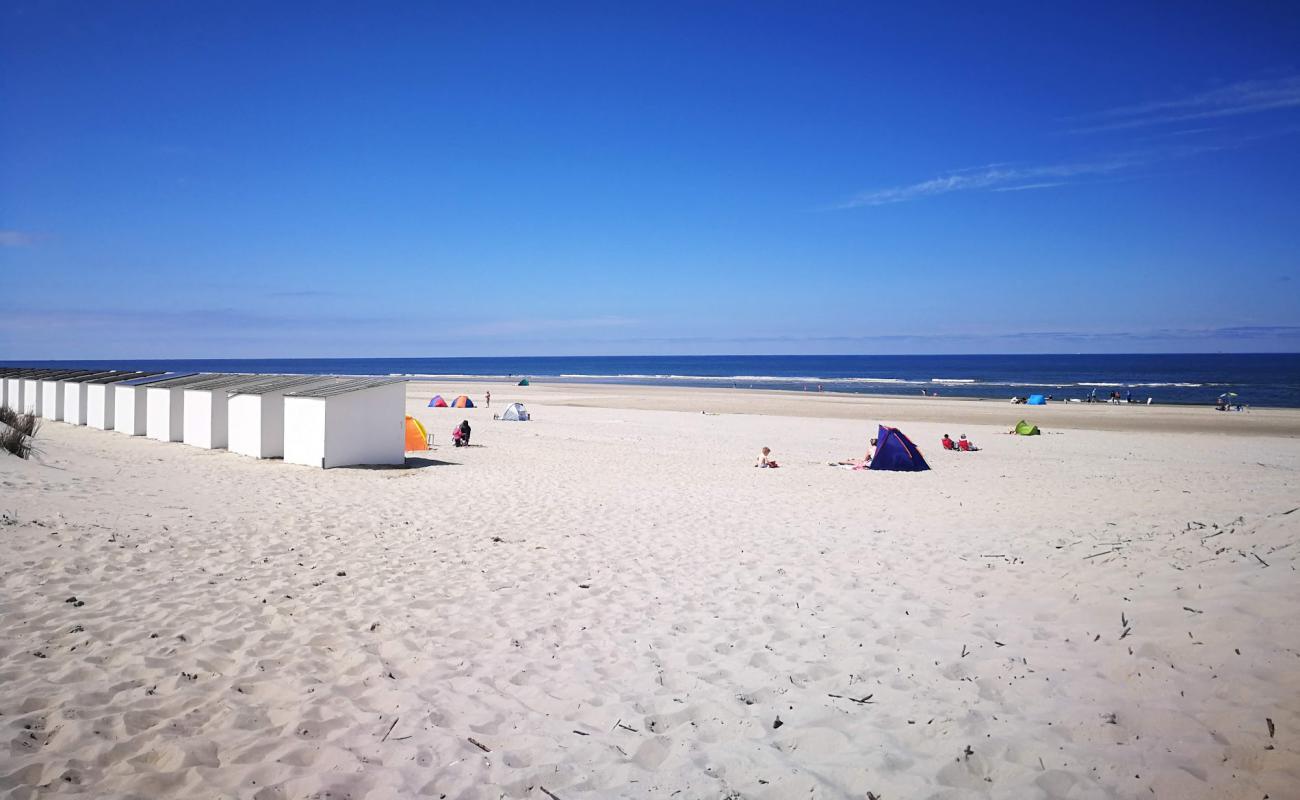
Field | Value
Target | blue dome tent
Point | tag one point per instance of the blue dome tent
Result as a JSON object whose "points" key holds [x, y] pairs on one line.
{"points": [[894, 451]]}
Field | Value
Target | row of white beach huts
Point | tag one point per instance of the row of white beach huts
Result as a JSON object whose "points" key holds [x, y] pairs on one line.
{"points": [[320, 421]]}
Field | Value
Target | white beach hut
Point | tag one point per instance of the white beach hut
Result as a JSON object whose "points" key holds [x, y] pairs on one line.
{"points": [[346, 422], [48, 399], [9, 376], [14, 391], [30, 395], [51, 394], [206, 410], [130, 403], [165, 406], [255, 414], [101, 398], [74, 396], [16, 385]]}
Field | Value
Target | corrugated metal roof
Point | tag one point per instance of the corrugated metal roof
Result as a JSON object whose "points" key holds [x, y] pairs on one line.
{"points": [[223, 381], [64, 374], [149, 380], [123, 377], [88, 376], [183, 381], [337, 386], [280, 383], [40, 374]]}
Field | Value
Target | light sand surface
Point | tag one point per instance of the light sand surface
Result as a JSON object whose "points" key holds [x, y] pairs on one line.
{"points": [[613, 602]]}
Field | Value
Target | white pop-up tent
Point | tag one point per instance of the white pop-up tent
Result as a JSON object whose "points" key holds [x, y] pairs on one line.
{"points": [[165, 406], [101, 398], [515, 412], [74, 396], [255, 414], [206, 410], [346, 422]]}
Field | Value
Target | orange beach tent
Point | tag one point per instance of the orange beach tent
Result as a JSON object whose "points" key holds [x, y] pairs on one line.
{"points": [[462, 402], [416, 437]]}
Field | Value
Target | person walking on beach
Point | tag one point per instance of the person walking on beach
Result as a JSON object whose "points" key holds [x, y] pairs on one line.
{"points": [[488, 400]]}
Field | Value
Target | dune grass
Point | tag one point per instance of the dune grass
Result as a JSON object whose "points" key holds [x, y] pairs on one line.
{"points": [[18, 432]]}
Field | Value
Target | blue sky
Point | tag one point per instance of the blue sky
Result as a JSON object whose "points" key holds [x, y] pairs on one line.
{"points": [[248, 179]]}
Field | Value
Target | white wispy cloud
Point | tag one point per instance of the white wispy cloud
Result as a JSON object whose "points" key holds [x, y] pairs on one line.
{"points": [[992, 178], [16, 239], [1234, 99], [512, 327]]}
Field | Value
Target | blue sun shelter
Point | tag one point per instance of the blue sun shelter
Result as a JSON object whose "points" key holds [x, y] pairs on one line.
{"points": [[1036, 400], [894, 451]]}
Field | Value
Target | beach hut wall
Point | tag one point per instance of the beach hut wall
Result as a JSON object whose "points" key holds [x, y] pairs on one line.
{"points": [[101, 397], [165, 407], [206, 410], [255, 414], [347, 422], [74, 397], [53, 389]]}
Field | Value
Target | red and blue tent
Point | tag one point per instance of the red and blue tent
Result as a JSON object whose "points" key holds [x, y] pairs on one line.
{"points": [[894, 451], [437, 402], [462, 402]]}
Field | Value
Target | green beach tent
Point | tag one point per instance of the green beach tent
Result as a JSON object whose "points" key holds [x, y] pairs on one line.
{"points": [[524, 382], [1025, 429]]}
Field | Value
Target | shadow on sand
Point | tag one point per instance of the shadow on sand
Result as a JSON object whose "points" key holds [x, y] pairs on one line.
{"points": [[412, 462]]}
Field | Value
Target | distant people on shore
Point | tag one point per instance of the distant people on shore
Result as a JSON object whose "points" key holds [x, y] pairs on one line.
{"points": [[487, 400]]}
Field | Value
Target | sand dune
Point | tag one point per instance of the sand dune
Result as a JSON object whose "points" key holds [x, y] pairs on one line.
{"points": [[611, 602]]}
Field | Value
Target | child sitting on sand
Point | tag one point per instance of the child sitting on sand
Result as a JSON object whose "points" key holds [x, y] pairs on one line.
{"points": [[964, 444], [765, 459], [948, 443]]}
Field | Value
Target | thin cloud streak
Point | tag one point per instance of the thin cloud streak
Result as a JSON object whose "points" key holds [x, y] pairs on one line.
{"points": [[16, 239], [1236, 99], [991, 178], [533, 326], [1001, 178]]}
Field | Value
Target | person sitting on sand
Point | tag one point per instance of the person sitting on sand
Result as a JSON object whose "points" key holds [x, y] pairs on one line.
{"points": [[460, 434], [948, 443], [965, 445], [765, 459], [865, 463]]}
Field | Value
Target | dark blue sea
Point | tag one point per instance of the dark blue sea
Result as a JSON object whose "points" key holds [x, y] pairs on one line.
{"points": [[1257, 379]]}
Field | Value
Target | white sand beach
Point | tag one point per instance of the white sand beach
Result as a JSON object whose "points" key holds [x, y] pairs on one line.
{"points": [[611, 601]]}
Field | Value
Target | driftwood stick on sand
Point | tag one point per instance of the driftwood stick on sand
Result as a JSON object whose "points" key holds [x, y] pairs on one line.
{"points": [[549, 793], [1102, 553], [479, 744], [390, 730]]}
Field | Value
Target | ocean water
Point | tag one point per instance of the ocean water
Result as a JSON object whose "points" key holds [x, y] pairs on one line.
{"points": [[1258, 379]]}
